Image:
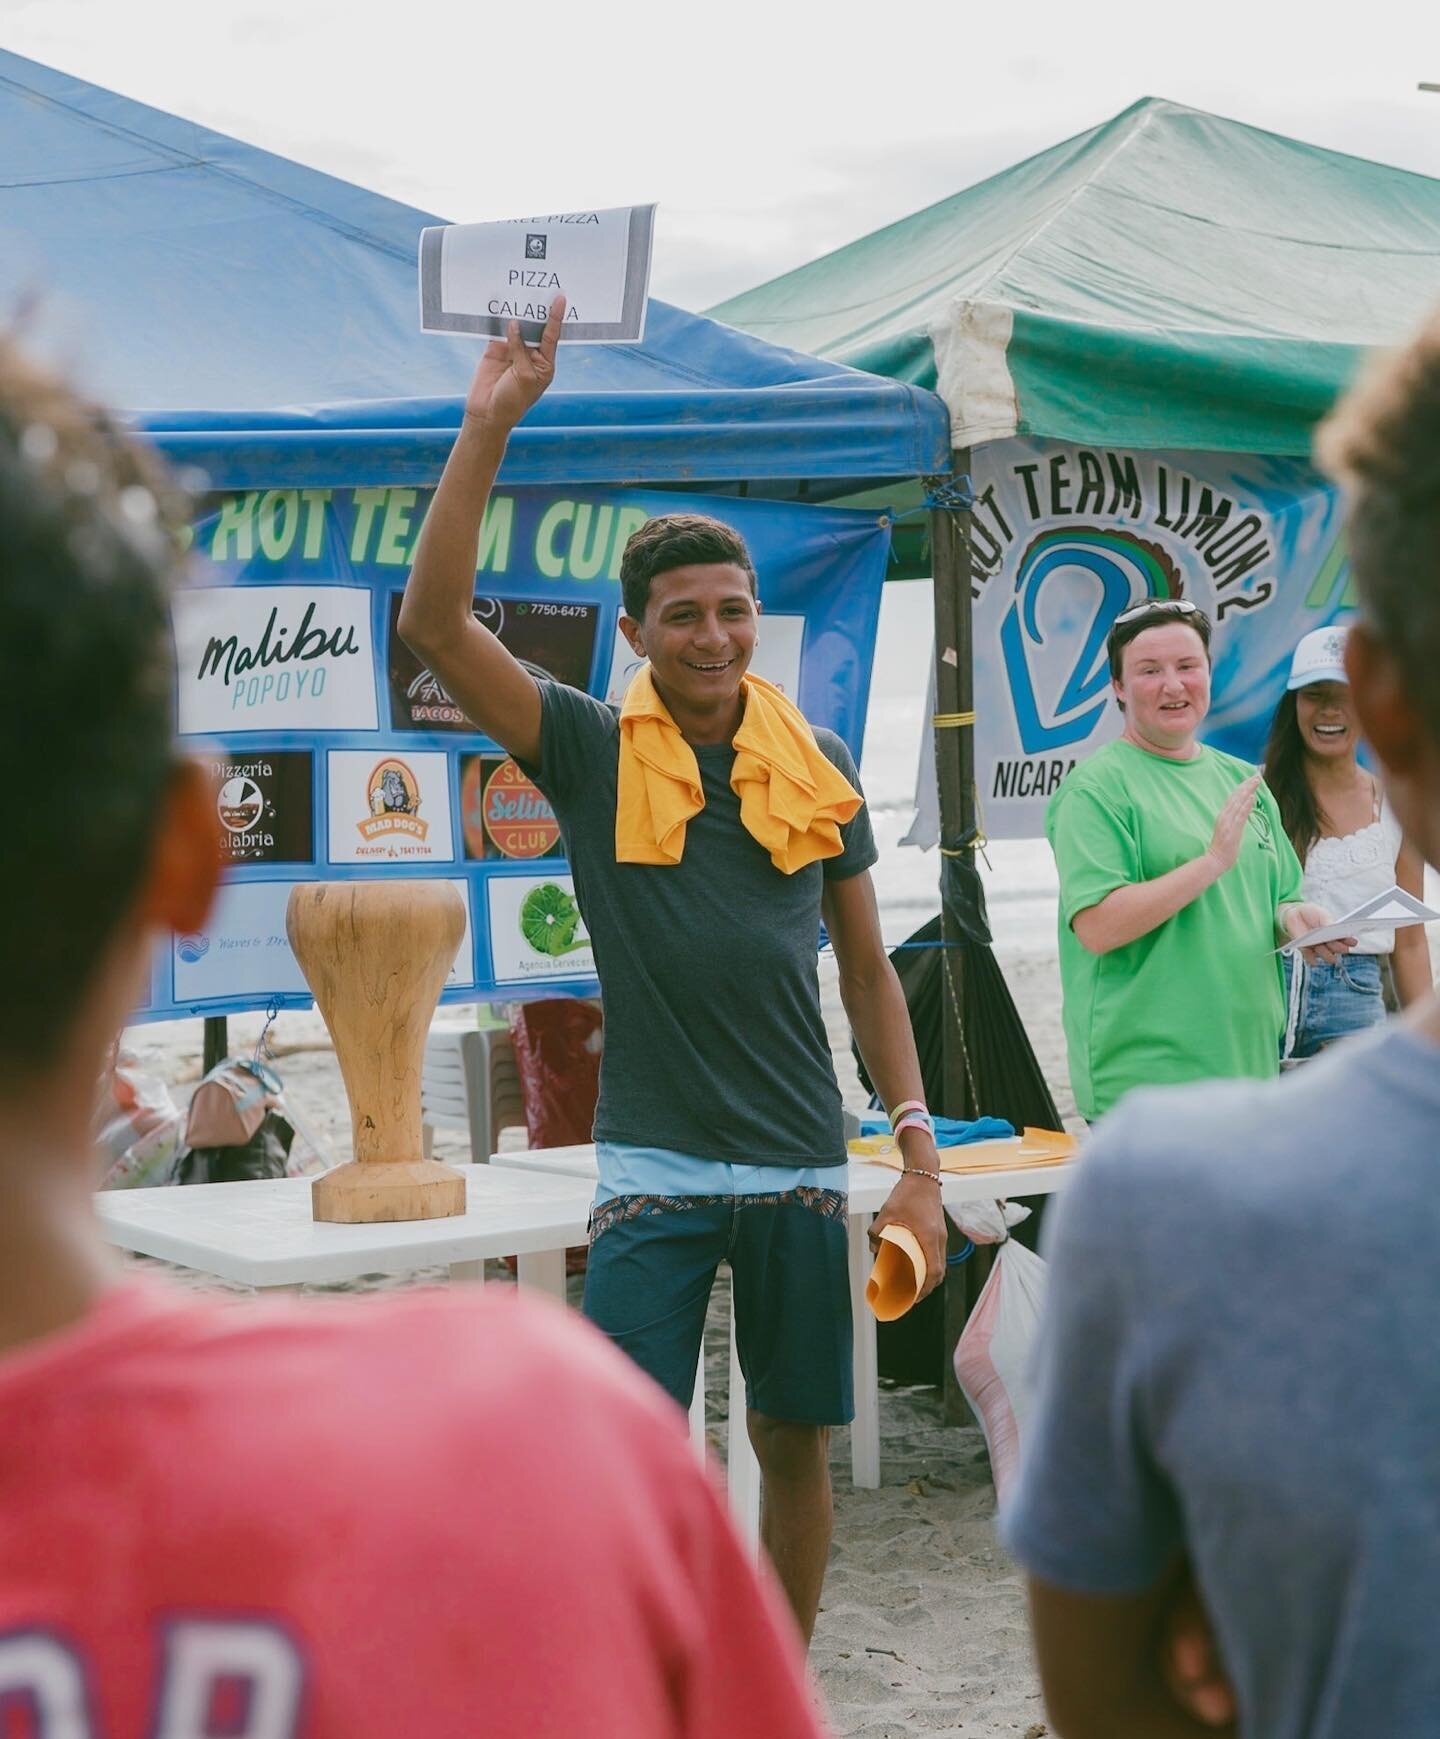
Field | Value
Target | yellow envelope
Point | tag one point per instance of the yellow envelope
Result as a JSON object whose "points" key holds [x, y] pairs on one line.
{"points": [[898, 1275]]}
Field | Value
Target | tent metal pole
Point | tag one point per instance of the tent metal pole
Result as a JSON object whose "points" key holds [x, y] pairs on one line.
{"points": [[217, 1041]]}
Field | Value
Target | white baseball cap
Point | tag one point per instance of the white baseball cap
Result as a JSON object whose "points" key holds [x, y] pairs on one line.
{"points": [[1320, 657]]}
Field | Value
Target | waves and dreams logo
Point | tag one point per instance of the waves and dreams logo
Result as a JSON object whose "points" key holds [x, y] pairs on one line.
{"points": [[1053, 713], [193, 948]]}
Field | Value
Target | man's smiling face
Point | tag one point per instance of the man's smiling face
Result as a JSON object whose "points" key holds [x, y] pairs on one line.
{"points": [[699, 632]]}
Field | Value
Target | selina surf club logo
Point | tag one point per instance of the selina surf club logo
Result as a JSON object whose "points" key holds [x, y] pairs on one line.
{"points": [[503, 812], [393, 794]]}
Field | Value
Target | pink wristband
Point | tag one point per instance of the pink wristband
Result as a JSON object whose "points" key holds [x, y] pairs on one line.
{"points": [[910, 1105], [913, 1121]]}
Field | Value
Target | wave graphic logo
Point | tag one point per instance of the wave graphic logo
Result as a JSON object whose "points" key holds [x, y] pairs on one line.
{"points": [[193, 948], [1115, 569]]}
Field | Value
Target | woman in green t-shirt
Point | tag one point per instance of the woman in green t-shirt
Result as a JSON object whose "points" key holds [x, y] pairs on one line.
{"points": [[1177, 880]]}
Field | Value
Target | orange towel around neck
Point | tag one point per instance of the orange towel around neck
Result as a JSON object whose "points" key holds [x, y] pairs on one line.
{"points": [[793, 798]]}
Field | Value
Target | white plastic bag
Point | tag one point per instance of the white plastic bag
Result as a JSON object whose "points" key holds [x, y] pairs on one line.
{"points": [[994, 1355]]}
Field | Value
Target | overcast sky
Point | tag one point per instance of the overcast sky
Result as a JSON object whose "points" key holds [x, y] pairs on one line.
{"points": [[768, 130]]}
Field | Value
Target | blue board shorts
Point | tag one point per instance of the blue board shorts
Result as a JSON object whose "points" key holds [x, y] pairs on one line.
{"points": [[662, 1224]]}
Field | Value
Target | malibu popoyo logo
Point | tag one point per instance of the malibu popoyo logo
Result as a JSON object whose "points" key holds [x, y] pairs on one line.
{"points": [[260, 657]]}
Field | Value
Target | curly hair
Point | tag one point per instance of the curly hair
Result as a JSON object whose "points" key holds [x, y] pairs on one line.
{"points": [[677, 540], [1382, 445], [90, 535]]}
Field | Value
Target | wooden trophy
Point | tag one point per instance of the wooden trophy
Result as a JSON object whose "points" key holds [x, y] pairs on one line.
{"points": [[375, 955]]}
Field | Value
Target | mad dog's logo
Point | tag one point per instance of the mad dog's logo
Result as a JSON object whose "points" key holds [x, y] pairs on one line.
{"points": [[393, 793]]}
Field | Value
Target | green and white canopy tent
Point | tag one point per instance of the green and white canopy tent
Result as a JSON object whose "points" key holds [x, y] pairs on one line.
{"points": [[1169, 283], [1169, 279]]}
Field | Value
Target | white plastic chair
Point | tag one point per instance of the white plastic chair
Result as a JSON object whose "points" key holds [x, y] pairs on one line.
{"points": [[469, 1081]]}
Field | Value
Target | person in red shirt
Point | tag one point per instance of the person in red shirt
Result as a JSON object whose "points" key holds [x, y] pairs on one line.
{"points": [[430, 1514]]}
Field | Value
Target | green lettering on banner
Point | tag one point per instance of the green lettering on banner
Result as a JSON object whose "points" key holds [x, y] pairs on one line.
{"points": [[549, 561], [277, 519], [395, 528], [493, 555], [236, 525], [588, 548], [627, 522], [315, 503], [1322, 587], [366, 503]]}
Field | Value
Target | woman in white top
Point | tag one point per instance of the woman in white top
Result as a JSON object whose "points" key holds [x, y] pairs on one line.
{"points": [[1350, 843]]}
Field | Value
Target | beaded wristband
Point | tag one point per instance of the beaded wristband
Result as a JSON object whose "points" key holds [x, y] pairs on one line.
{"points": [[920, 1171]]}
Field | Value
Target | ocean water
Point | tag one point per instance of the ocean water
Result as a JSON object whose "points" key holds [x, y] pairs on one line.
{"points": [[1019, 876]]}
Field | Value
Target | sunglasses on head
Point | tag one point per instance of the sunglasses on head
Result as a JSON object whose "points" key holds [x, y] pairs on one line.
{"points": [[1155, 606]]}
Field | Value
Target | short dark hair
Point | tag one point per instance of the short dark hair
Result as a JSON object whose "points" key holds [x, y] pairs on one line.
{"points": [[88, 544], [1159, 615], [677, 540], [1382, 444]]}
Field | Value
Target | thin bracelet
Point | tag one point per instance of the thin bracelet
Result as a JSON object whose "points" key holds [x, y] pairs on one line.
{"points": [[920, 1171]]}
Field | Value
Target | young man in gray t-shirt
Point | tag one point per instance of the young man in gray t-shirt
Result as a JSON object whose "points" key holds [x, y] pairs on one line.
{"points": [[1239, 1394], [719, 1129]]}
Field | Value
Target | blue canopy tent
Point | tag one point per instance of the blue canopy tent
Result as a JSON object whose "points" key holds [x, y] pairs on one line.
{"points": [[260, 320]]}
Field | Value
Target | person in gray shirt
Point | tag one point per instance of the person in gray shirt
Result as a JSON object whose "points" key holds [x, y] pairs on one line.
{"points": [[719, 1131], [1229, 1503]]}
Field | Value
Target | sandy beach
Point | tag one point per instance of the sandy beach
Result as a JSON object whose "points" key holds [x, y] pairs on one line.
{"points": [[922, 1625]]}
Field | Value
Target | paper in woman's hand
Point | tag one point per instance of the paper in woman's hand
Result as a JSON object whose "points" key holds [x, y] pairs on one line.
{"points": [[1391, 910]]}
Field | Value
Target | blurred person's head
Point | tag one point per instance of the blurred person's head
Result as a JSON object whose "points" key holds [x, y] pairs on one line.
{"points": [[109, 836], [1382, 445], [1159, 654]]}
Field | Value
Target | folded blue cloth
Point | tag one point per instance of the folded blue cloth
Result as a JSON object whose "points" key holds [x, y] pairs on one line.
{"points": [[949, 1131]]}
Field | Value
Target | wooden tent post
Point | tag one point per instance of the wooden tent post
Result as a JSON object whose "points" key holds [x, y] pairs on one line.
{"points": [[954, 750], [955, 774]]}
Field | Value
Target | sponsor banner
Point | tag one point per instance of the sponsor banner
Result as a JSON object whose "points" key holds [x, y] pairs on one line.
{"points": [[389, 808], [265, 804], [536, 930], [549, 639], [241, 952], [336, 754], [264, 658], [1065, 538], [503, 813]]}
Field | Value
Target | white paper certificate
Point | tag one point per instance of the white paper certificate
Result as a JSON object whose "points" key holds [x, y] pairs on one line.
{"points": [[478, 277]]}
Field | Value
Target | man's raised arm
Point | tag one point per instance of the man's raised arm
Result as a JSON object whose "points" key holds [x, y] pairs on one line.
{"points": [[437, 621]]}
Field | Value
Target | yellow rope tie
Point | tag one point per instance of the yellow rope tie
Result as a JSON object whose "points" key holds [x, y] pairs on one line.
{"points": [[952, 721]]}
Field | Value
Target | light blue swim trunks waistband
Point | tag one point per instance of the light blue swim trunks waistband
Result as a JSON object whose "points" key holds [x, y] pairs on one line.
{"points": [[660, 1171]]}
